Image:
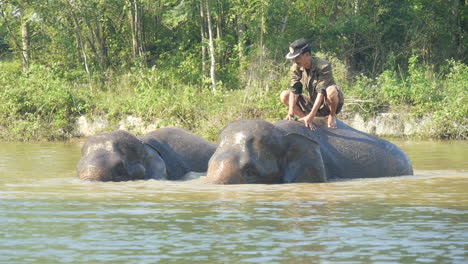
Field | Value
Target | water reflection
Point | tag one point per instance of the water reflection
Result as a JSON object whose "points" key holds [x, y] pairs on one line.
{"points": [[436, 155], [49, 216]]}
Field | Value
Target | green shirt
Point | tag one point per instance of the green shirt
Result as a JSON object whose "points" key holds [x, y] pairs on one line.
{"points": [[315, 80]]}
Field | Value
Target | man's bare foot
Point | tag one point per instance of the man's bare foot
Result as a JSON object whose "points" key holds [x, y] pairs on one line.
{"points": [[331, 121]]}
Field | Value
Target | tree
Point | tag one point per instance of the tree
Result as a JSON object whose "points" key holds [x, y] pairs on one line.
{"points": [[18, 14], [136, 15], [211, 45]]}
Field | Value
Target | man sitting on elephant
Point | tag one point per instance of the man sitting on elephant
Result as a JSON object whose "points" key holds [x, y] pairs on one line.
{"points": [[315, 74], [256, 151]]}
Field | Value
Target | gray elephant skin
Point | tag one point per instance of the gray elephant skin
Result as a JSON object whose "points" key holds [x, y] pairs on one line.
{"points": [[166, 153], [257, 151]]}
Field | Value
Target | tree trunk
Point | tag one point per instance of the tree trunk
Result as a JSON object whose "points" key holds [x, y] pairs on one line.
{"points": [[79, 37], [283, 26], [356, 7], [203, 37], [26, 45], [211, 46], [461, 25], [80, 41], [103, 55], [99, 42], [240, 41], [22, 47], [262, 30], [141, 26], [219, 22], [218, 27], [137, 26], [134, 16], [92, 38]]}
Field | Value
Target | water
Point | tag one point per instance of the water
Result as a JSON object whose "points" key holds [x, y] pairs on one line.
{"points": [[47, 215]]}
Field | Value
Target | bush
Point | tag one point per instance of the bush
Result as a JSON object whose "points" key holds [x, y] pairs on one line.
{"points": [[420, 93], [40, 104], [46, 103], [450, 114]]}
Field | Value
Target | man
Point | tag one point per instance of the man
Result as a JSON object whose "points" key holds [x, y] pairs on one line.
{"points": [[315, 75]]}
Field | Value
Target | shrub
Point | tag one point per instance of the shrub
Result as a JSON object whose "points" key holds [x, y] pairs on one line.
{"points": [[41, 104], [45, 103], [450, 114]]}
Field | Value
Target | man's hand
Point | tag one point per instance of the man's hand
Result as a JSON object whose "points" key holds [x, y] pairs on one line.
{"points": [[290, 117], [308, 122]]}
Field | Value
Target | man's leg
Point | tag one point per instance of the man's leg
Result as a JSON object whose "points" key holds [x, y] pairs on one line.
{"points": [[332, 104], [284, 97]]}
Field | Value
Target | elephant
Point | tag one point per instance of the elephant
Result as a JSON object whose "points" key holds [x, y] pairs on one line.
{"points": [[163, 154], [256, 151]]}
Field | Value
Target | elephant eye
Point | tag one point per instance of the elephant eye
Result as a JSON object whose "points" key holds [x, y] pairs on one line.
{"points": [[119, 171], [136, 171], [250, 174]]}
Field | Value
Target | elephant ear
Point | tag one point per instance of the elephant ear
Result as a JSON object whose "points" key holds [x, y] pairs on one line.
{"points": [[303, 160], [155, 165]]}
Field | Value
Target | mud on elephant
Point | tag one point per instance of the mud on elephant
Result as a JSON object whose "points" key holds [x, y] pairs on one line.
{"points": [[166, 153], [285, 152]]}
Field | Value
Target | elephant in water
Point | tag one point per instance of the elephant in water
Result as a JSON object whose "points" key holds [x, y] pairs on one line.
{"points": [[287, 152], [166, 153]]}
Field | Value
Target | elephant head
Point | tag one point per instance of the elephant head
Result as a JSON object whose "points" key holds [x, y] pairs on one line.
{"points": [[119, 156], [259, 152]]}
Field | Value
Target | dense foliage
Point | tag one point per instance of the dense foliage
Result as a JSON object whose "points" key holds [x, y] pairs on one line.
{"points": [[203, 63]]}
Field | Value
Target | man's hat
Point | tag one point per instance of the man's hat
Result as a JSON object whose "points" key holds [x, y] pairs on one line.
{"points": [[297, 48]]}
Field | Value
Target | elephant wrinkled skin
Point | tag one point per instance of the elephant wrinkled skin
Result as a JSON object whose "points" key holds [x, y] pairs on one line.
{"points": [[287, 151], [166, 153]]}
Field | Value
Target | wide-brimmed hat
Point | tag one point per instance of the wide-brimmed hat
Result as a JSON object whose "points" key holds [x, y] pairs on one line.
{"points": [[297, 48]]}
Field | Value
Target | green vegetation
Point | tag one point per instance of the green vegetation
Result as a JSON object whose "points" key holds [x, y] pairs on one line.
{"points": [[157, 60], [442, 98]]}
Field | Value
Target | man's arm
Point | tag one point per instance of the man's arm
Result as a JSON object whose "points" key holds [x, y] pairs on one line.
{"points": [[325, 79], [295, 90], [292, 102], [310, 117]]}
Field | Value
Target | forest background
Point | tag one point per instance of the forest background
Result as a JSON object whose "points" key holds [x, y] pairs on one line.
{"points": [[201, 64]]}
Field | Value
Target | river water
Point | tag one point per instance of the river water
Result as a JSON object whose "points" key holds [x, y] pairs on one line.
{"points": [[47, 215]]}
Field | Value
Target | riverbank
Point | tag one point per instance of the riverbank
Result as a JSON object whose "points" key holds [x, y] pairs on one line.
{"points": [[46, 105], [382, 125]]}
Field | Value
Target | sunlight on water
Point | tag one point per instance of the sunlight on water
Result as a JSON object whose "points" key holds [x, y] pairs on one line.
{"points": [[50, 216]]}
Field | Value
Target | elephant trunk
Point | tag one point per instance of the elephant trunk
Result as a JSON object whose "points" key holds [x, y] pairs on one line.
{"points": [[101, 168], [239, 168], [223, 173], [90, 173], [224, 169]]}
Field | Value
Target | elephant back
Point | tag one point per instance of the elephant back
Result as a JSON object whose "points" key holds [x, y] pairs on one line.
{"points": [[181, 150], [350, 153]]}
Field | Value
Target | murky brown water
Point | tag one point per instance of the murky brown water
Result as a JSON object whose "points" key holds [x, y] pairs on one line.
{"points": [[49, 216]]}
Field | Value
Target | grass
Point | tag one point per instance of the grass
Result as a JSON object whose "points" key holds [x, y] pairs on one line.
{"points": [[46, 103]]}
